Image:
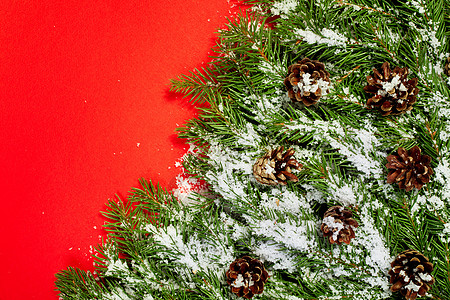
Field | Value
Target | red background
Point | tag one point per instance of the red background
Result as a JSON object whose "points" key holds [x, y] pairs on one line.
{"points": [[85, 112]]}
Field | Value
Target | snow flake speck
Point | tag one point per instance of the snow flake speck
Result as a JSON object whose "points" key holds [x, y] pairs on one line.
{"points": [[284, 7], [326, 36], [336, 227]]}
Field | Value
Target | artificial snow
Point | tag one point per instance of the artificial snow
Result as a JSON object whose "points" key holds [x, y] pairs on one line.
{"points": [[438, 104], [446, 228], [344, 139], [116, 267], [442, 176], [238, 282], [284, 7], [390, 86], [326, 36], [378, 254], [335, 227], [343, 192], [275, 253], [308, 85], [412, 286], [429, 201], [187, 187], [294, 236], [425, 277], [268, 168], [274, 72], [417, 5], [117, 294]]}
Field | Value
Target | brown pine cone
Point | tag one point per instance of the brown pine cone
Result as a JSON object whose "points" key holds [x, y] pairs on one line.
{"points": [[247, 277], [447, 67], [411, 274], [409, 168], [275, 167], [394, 94], [306, 81], [338, 225]]}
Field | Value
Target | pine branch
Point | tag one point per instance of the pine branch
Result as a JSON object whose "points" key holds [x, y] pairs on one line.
{"points": [[160, 247], [199, 85], [78, 284]]}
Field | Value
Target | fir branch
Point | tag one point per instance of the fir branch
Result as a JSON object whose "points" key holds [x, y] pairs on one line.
{"points": [[77, 284], [160, 247], [199, 84]]}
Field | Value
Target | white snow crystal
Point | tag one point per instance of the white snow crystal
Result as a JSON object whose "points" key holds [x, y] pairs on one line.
{"points": [[307, 85], [442, 175], [269, 169], [186, 186], [412, 286], [390, 85], [336, 227], [269, 251], [425, 277], [238, 282], [336, 134], [115, 267], [446, 228], [117, 294], [418, 6], [293, 236], [327, 36], [284, 7]]}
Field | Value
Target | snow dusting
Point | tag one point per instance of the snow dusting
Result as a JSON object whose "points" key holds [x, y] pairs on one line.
{"points": [[326, 36]]}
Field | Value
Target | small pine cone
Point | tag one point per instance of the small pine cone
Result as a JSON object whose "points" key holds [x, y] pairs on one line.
{"points": [[247, 277], [411, 274], [275, 167], [306, 81], [447, 67], [338, 225], [394, 94], [409, 168]]}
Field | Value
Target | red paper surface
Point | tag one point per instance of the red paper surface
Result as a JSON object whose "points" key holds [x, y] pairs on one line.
{"points": [[85, 112]]}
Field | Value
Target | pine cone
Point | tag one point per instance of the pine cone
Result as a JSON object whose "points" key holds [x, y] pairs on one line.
{"points": [[447, 67], [338, 225], [306, 81], [247, 277], [394, 94], [411, 274], [409, 168], [275, 167]]}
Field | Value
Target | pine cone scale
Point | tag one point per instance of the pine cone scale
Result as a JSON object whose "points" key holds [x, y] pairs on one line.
{"points": [[306, 81], [447, 67], [411, 274], [394, 162], [409, 169], [338, 225], [394, 94], [276, 166], [250, 279], [397, 286]]}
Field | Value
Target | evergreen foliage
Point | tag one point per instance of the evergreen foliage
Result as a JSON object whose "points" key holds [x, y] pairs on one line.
{"points": [[162, 248]]}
